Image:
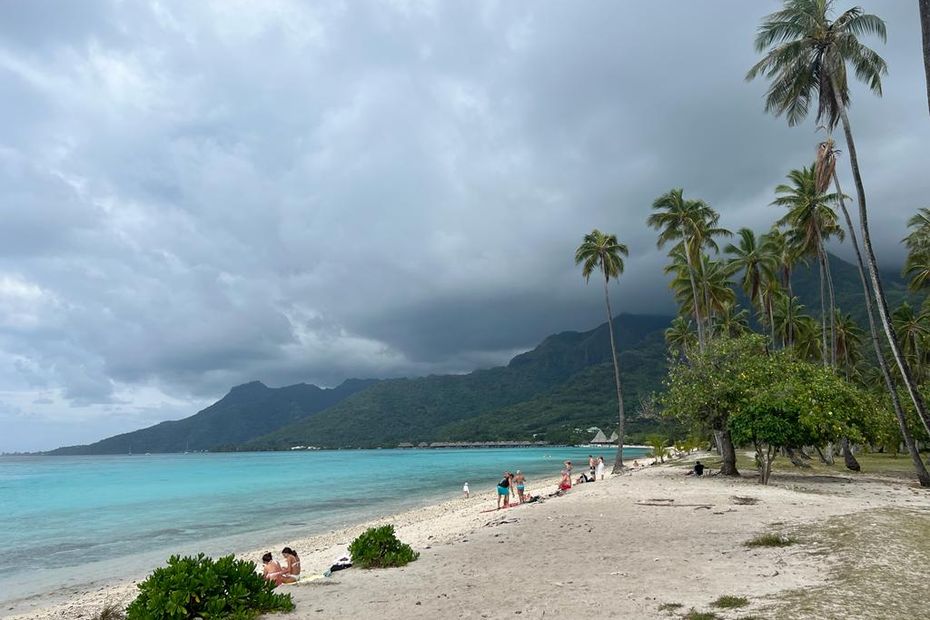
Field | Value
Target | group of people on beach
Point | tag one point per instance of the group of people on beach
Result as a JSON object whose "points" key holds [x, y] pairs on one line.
{"points": [[272, 570], [595, 472], [510, 485]]}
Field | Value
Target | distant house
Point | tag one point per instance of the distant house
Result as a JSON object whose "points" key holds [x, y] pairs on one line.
{"points": [[613, 438], [405, 445], [600, 437]]}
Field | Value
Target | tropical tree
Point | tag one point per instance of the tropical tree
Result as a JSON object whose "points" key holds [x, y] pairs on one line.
{"points": [[693, 225], [917, 264], [756, 260], [602, 252], [848, 344], [788, 319], [679, 337], [913, 329], [786, 255], [806, 58], [732, 321], [811, 221]]}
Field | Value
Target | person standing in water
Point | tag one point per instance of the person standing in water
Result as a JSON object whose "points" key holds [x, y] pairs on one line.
{"points": [[504, 490], [519, 481]]}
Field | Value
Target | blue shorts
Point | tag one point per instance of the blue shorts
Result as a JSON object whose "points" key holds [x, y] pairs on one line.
{"points": [[503, 490], [520, 487]]}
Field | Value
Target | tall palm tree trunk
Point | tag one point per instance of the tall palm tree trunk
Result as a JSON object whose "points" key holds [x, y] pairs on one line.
{"points": [[618, 463], [831, 292], [923, 476], [823, 310], [694, 293], [925, 31], [771, 319], [880, 302]]}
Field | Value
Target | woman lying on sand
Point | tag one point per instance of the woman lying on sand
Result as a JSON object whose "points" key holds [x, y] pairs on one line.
{"points": [[291, 573]]}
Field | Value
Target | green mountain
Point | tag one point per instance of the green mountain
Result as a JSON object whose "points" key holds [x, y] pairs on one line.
{"points": [[485, 402], [248, 411]]}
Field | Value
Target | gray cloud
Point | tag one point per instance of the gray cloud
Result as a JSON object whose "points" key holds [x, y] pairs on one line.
{"points": [[199, 194]]}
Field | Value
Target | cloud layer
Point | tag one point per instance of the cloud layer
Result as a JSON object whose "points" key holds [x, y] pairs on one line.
{"points": [[194, 195]]}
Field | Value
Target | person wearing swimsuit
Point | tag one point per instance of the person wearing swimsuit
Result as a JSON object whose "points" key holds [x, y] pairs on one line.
{"points": [[504, 490], [519, 481], [291, 572], [271, 570]]}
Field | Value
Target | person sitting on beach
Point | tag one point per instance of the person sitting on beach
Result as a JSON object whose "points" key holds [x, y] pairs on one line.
{"points": [[566, 482], [697, 470], [519, 481], [271, 570], [504, 490], [291, 572]]}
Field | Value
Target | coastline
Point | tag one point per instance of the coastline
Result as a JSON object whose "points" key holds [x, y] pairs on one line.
{"points": [[618, 548]]}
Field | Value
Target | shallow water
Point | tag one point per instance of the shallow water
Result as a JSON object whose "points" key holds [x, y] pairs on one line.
{"points": [[102, 516]]}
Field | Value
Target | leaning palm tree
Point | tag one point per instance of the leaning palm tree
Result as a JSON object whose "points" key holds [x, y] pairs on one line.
{"points": [[826, 170], [602, 252], [693, 224], [806, 57], [812, 222], [925, 34]]}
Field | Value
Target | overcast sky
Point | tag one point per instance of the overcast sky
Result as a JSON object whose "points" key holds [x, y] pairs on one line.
{"points": [[198, 194]]}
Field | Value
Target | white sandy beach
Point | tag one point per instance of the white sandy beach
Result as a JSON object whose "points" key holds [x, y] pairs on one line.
{"points": [[615, 549]]}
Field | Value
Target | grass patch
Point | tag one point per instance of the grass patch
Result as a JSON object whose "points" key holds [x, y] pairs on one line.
{"points": [[730, 602], [700, 615], [110, 611], [670, 606], [770, 540]]}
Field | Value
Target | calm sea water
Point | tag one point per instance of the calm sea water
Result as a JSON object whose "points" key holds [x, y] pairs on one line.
{"points": [[97, 517]]}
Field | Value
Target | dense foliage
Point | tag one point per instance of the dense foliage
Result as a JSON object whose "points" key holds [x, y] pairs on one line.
{"points": [[378, 547], [199, 587]]}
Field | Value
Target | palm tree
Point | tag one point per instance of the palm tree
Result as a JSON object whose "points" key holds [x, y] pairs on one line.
{"points": [[913, 331], [679, 337], [917, 264], [826, 166], [925, 33], [807, 338], [786, 255], [769, 291], [806, 54], [693, 224], [788, 319], [732, 321], [811, 223], [757, 262], [848, 343], [601, 251]]}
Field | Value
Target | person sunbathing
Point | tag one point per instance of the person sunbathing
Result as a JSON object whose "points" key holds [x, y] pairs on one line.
{"points": [[291, 572], [272, 570]]}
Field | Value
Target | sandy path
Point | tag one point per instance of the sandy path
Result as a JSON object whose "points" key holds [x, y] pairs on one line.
{"points": [[597, 552]]}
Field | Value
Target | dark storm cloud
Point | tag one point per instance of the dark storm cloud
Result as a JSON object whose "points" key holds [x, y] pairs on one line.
{"points": [[199, 194]]}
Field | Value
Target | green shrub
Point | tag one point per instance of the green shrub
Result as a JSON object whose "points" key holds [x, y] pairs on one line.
{"points": [[770, 540], [700, 615], [378, 547], [203, 588]]}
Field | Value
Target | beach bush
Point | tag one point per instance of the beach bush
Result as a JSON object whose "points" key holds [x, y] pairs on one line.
{"points": [[730, 602], [200, 587], [110, 611], [378, 547], [770, 540]]}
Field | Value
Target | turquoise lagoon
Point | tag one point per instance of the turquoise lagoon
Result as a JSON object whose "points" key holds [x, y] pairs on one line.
{"points": [[93, 518]]}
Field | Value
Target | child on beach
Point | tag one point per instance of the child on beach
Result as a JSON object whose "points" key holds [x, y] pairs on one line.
{"points": [[465, 490]]}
